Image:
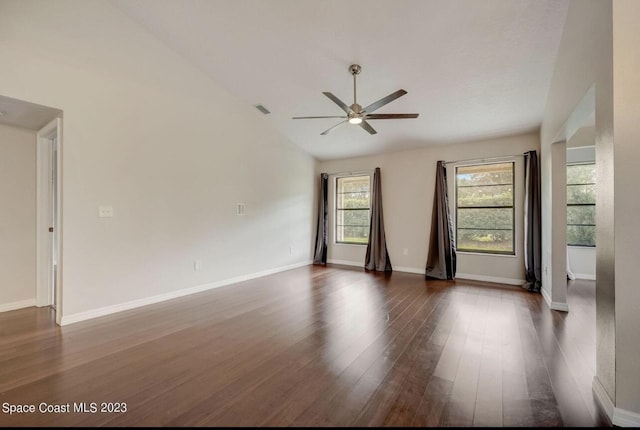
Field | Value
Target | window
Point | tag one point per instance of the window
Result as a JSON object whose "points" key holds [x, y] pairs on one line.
{"points": [[581, 204], [484, 208], [353, 205]]}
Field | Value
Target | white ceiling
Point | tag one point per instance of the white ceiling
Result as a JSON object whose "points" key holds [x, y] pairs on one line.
{"points": [[473, 69]]}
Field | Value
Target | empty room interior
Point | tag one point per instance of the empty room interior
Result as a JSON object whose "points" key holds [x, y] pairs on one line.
{"points": [[327, 213]]}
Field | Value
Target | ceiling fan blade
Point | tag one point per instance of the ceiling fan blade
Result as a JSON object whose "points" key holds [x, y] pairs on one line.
{"points": [[366, 126], [337, 101], [391, 116], [324, 133], [316, 117], [383, 101]]}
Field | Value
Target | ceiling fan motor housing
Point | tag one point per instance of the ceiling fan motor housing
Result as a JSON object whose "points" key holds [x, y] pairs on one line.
{"points": [[356, 108]]}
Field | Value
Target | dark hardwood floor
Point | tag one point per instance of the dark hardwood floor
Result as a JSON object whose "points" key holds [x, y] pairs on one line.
{"points": [[314, 346]]}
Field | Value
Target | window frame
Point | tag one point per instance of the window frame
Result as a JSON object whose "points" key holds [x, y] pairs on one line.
{"points": [[583, 163], [335, 206], [513, 252]]}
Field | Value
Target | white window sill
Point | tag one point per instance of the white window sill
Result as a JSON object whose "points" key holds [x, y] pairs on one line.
{"points": [[349, 244], [486, 254]]}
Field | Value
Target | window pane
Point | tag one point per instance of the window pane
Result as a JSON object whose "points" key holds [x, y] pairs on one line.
{"points": [[352, 192], [581, 194], [497, 195], [485, 218], [347, 234], [353, 183], [485, 174], [353, 201], [354, 218], [581, 210], [485, 241], [581, 235], [581, 215], [581, 174], [484, 203]]}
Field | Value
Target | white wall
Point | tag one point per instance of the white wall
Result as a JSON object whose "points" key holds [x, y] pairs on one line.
{"points": [[17, 218], [583, 141], [581, 63], [581, 155], [408, 181], [584, 63], [626, 135], [599, 49], [582, 261], [168, 148]]}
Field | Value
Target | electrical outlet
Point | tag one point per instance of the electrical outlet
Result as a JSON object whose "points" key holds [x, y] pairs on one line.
{"points": [[105, 211], [197, 265], [291, 249], [405, 251]]}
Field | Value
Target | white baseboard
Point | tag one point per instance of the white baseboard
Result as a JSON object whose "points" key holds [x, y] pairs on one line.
{"points": [[585, 276], [498, 280], [107, 310], [361, 264], [624, 418], [618, 416], [602, 397], [468, 276], [546, 296], [17, 305], [409, 270], [556, 306], [421, 271], [347, 263]]}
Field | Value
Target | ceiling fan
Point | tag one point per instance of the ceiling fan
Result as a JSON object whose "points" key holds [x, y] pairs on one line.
{"points": [[356, 114]]}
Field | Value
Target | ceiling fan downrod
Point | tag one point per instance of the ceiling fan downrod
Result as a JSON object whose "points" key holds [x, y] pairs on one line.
{"points": [[355, 116], [355, 70]]}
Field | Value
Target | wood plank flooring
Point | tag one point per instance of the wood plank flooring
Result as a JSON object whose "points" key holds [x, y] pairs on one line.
{"points": [[315, 346]]}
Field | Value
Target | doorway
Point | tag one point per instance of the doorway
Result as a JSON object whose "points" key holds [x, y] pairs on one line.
{"points": [[42, 285], [581, 204], [48, 237]]}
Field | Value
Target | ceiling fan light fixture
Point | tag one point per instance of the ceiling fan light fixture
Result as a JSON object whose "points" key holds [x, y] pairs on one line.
{"points": [[356, 114]]}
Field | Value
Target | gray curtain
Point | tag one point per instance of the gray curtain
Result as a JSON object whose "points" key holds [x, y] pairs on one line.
{"points": [[377, 255], [441, 260], [320, 253], [532, 222]]}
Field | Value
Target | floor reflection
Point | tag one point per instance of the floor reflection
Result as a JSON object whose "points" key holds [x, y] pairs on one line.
{"points": [[355, 324]]}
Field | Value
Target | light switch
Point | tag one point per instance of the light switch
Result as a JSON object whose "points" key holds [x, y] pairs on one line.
{"points": [[105, 211], [240, 209]]}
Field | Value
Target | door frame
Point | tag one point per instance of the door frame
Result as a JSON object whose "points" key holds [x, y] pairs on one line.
{"points": [[44, 246]]}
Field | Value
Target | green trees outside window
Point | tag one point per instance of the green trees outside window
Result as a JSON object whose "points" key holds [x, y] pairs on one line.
{"points": [[484, 208], [353, 207], [581, 204]]}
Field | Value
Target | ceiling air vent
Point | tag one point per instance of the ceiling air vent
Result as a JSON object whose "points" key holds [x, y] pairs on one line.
{"points": [[262, 109]]}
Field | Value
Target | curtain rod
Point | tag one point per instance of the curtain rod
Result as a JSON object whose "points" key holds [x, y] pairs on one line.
{"points": [[357, 172], [482, 160]]}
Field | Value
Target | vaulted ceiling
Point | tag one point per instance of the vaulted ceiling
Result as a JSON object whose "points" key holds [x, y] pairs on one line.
{"points": [[473, 69]]}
